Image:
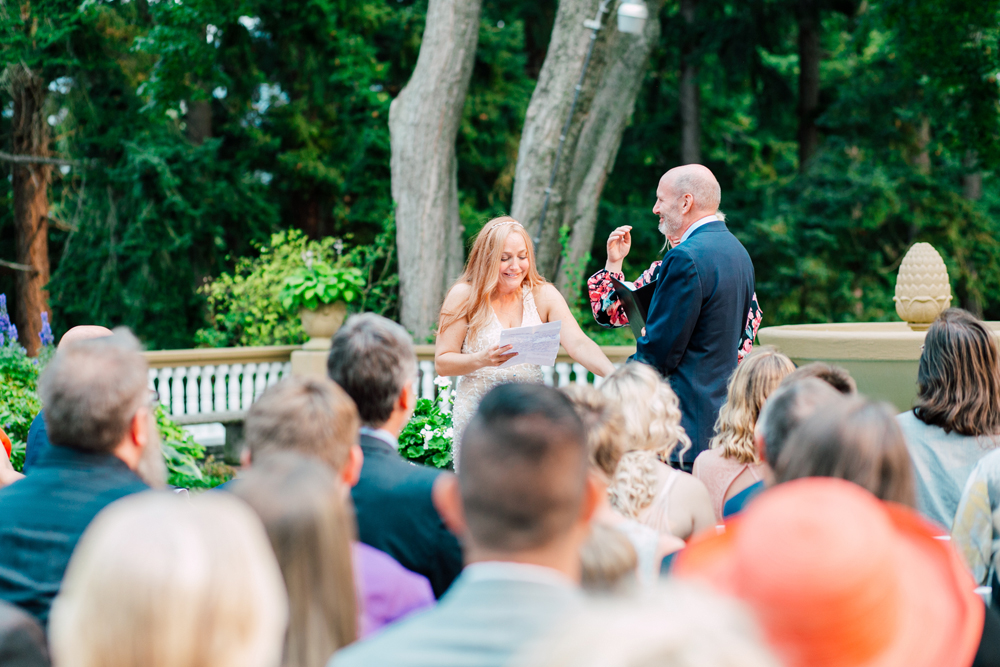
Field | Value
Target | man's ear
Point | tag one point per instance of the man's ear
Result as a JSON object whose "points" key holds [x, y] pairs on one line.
{"points": [[407, 399], [447, 498], [594, 491], [351, 472], [759, 445], [246, 457]]}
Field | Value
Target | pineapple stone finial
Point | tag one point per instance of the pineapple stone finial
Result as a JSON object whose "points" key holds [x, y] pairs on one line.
{"points": [[923, 290]]}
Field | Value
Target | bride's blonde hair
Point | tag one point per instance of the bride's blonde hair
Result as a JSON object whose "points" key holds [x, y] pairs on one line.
{"points": [[482, 273]]}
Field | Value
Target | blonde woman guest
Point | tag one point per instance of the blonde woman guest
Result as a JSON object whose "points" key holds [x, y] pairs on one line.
{"points": [[158, 580], [501, 289], [731, 464], [606, 444], [304, 512], [645, 487]]}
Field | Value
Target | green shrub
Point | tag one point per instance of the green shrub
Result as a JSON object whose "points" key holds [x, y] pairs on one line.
{"points": [[427, 437]]}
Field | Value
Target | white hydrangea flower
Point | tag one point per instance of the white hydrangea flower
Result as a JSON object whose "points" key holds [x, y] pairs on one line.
{"points": [[449, 433], [442, 381]]}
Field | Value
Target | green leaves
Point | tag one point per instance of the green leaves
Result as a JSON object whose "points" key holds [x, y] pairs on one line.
{"points": [[321, 284], [427, 437]]}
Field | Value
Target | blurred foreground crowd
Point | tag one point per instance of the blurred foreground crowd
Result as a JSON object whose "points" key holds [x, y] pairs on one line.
{"points": [[820, 529]]}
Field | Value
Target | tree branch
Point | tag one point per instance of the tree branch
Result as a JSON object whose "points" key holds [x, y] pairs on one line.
{"points": [[14, 266], [35, 159]]}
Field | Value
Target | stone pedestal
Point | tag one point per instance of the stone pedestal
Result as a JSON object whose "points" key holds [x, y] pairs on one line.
{"points": [[310, 363]]}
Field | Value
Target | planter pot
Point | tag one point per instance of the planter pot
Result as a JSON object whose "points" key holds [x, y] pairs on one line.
{"points": [[321, 324]]}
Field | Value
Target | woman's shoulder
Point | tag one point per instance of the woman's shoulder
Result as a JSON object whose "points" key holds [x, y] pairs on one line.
{"points": [[457, 295], [545, 292]]}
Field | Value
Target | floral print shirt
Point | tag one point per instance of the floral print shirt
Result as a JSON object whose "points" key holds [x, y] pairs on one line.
{"points": [[609, 312]]}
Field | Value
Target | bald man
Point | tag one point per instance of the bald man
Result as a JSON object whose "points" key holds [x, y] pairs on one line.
{"points": [[38, 437], [703, 314]]}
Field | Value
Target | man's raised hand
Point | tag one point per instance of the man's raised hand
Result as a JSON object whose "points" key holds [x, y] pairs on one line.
{"points": [[619, 243]]}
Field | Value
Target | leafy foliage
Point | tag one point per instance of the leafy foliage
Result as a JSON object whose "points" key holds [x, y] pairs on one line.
{"points": [[320, 283], [185, 458], [427, 437]]}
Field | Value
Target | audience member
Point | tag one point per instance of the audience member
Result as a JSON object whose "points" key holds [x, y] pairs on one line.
{"points": [[303, 510], [731, 463], [22, 640], [522, 503], [835, 376], [608, 562], [679, 626], [956, 420], [785, 409], [605, 426], [836, 577], [38, 437], [160, 580], [645, 487], [317, 419], [104, 444], [859, 441], [976, 528], [373, 359]]}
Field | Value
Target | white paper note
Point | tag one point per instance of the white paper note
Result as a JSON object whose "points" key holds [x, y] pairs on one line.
{"points": [[537, 344]]}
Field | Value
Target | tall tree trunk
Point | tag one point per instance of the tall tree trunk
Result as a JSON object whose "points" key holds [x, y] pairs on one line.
{"points": [[809, 59], [199, 121], [423, 124], [606, 101], [972, 181], [690, 95], [30, 136], [598, 143]]}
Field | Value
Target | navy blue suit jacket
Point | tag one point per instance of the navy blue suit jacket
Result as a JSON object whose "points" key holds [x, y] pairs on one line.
{"points": [[695, 320]]}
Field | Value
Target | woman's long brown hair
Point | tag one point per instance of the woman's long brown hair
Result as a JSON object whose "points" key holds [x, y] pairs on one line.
{"points": [[482, 273], [305, 514], [958, 381]]}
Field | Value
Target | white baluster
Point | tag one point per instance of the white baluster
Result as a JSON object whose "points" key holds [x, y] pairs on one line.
{"points": [[221, 378], [563, 371], [427, 380], [286, 369], [273, 373], [164, 386], [246, 386], [547, 375], [598, 381], [233, 395], [260, 381], [206, 388], [581, 373], [191, 391], [177, 391]]}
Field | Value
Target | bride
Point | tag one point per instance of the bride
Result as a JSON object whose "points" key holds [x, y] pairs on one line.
{"points": [[501, 289]]}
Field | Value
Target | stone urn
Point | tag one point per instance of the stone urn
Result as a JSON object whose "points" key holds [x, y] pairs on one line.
{"points": [[322, 323], [923, 290]]}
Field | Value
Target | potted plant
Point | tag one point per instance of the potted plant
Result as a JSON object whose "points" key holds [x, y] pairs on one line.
{"points": [[320, 293]]}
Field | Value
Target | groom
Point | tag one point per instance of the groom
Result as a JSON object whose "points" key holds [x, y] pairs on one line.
{"points": [[704, 290]]}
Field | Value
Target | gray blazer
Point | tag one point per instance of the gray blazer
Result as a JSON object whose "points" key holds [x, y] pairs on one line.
{"points": [[478, 623]]}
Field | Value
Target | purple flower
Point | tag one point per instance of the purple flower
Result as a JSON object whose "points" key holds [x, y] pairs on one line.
{"points": [[45, 335]]}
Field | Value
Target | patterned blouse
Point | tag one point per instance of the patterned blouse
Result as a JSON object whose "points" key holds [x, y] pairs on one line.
{"points": [[609, 312]]}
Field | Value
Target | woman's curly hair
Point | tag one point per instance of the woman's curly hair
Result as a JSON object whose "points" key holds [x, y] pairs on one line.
{"points": [[651, 409]]}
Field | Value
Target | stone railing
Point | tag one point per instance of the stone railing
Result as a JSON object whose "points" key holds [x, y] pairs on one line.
{"points": [[219, 384]]}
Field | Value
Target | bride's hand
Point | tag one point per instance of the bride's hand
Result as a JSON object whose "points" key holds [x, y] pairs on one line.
{"points": [[496, 355]]}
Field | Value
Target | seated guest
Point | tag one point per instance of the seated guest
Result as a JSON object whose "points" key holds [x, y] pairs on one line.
{"points": [[956, 420], [859, 441], [163, 580], [784, 411], [678, 626], [731, 463], [835, 376], [522, 504], [645, 487], [22, 640], [303, 510], [104, 443], [373, 359], [605, 426], [975, 531], [38, 438], [608, 562], [836, 577], [316, 419]]}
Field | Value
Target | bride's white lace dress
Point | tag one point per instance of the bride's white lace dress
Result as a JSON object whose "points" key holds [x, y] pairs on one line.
{"points": [[472, 387]]}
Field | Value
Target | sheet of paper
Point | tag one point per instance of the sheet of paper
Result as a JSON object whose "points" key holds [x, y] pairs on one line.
{"points": [[537, 344]]}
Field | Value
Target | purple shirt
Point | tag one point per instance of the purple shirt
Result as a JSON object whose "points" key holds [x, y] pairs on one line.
{"points": [[387, 591]]}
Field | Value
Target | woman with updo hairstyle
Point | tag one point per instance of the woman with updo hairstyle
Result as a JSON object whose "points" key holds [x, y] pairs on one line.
{"points": [[501, 289], [857, 440], [645, 487], [731, 463], [956, 420]]}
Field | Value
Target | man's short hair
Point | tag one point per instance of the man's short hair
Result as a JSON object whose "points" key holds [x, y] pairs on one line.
{"points": [[524, 468], [310, 416], [835, 376], [789, 406], [372, 359], [91, 390]]}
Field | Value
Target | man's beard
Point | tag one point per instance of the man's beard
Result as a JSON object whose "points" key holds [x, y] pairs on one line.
{"points": [[152, 469], [669, 228]]}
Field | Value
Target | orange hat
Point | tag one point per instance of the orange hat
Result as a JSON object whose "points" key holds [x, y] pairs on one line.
{"points": [[836, 578], [5, 441]]}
